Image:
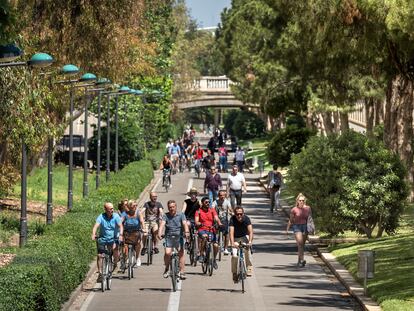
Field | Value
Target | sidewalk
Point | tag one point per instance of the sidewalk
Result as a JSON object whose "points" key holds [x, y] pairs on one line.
{"points": [[341, 273]]}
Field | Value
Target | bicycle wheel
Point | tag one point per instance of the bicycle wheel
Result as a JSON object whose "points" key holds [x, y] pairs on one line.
{"points": [[173, 272], [149, 249], [104, 274], [130, 255], [220, 245], [109, 275], [242, 273], [210, 260]]}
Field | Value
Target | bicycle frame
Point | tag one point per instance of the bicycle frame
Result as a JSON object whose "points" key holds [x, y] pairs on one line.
{"points": [[241, 265], [106, 267]]}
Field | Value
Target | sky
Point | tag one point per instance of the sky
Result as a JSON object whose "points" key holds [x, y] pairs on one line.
{"points": [[207, 12]]}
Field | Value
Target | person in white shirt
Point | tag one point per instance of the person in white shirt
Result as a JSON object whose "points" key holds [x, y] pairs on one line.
{"points": [[240, 158], [235, 185]]}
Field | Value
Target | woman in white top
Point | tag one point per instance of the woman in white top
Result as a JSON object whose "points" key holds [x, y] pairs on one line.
{"points": [[240, 158]]}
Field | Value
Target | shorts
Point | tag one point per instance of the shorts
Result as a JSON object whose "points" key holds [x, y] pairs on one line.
{"points": [[105, 247], [225, 228], [150, 225], [300, 228], [174, 156], [174, 241], [210, 234]]}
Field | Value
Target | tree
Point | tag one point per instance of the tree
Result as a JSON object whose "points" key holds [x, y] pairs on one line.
{"points": [[352, 182]]}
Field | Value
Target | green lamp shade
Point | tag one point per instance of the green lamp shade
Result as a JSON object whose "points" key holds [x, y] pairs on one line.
{"points": [[88, 77], [9, 53], [103, 81], [70, 70], [40, 60], [124, 89]]}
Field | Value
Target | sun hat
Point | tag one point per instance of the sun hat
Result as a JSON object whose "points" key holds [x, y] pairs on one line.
{"points": [[192, 191]]}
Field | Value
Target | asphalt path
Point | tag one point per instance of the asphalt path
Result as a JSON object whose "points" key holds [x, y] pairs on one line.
{"points": [[277, 283]]}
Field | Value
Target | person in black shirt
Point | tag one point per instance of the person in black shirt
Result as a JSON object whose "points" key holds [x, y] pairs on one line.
{"points": [[190, 206], [240, 231]]}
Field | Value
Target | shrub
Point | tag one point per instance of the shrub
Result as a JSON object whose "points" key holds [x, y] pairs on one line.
{"points": [[248, 125], [229, 118], [352, 182], [46, 271], [287, 142]]}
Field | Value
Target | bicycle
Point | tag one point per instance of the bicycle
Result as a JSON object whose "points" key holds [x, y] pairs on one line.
{"points": [[241, 265], [181, 165], [175, 262], [131, 239], [166, 179], [107, 265], [192, 247], [197, 168], [207, 264], [149, 246], [221, 244]]}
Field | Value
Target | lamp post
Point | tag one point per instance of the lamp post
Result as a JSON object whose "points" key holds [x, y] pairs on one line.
{"points": [[123, 90], [70, 70], [100, 82], [8, 54], [87, 77]]}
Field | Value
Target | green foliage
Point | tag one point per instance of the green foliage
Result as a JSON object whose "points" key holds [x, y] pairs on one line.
{"points": [[229, 117], [46, 271], [201, 115], [287, 142], [352, 183], [248, 125]]}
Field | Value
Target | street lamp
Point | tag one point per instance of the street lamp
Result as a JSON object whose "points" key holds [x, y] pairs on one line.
{"points": [[8, 54], [123, 90], [87, 77], [100, 83], [70, 70]]}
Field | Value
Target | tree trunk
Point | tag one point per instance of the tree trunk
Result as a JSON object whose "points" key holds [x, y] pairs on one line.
{"points": [[344, 122], [398, 123], [369, 115], [327, 122], [337, 125], [379, 111]]}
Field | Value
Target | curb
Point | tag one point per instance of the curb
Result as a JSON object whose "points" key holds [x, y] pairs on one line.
{"points": [[340, 272], [92, 267]]}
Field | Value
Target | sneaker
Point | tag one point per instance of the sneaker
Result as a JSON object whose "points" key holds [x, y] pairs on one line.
{"points": [[235, 278], [166, 274], [138, 263], [215, 265], [303, 263], [249, 271], [182, 276], [99, 278], [226, 252], [156, 250], [201, 259], [143, 251]]}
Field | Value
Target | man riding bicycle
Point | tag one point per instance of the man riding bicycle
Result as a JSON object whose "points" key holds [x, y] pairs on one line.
{"points": [[224, 210], [173, 223], [152, 213], [111, 232], [205, 218], [190, 206], [241, 231], [175, 153]]}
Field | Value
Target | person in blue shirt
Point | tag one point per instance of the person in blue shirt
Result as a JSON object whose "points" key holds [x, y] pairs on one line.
{"points": [[111, 232], [175, 153]]}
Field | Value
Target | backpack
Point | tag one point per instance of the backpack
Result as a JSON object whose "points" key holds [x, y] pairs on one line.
{"points": [[276, 180]]}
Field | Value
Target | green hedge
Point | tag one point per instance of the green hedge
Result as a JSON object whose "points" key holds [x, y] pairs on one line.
{"points": [[46, 271]]}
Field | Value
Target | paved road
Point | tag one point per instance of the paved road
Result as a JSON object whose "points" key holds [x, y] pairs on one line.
{"points": [[276, 284]]}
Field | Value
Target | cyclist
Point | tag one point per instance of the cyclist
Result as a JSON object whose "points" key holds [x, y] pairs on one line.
{"points": [[175, 153], [190, 206], [173, 223], [274, 183], [208, 161], [110, 225], [241, 231], [133, 223], [166, 165], [182, 157], [212, 183], [152, 212], [204, 220], [198, 154], [122, 207], [224, 210]]}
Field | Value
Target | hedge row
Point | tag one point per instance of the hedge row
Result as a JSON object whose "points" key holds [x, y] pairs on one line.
{"points": [[46, 271]]}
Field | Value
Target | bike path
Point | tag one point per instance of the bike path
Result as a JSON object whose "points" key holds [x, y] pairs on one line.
{"points": [[276, 284]]}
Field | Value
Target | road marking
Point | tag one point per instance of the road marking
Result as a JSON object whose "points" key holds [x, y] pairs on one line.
{"points": [[174, 299], [89, 299]]}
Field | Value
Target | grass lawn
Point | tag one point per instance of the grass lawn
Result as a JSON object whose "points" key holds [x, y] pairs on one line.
{"points": [[393, 285], [37, 184]]}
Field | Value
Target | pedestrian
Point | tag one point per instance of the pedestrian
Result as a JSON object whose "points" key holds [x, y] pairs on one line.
{"points": [[213, 184], [211, 145], [298, 221], [236, 183], [222, 151], [240, 158], [274, 184]]}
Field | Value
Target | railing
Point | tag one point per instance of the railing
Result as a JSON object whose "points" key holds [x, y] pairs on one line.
{"points": [[206, 84]]}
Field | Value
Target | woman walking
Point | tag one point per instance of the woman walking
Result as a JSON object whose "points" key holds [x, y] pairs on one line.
{"points": [[298, 220]]}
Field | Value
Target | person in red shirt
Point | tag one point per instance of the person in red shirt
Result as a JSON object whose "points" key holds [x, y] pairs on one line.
{"points": [[205, 218]]}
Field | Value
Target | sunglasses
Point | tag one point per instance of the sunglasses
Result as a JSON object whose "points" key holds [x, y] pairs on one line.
{"points": [[239, 214]]}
